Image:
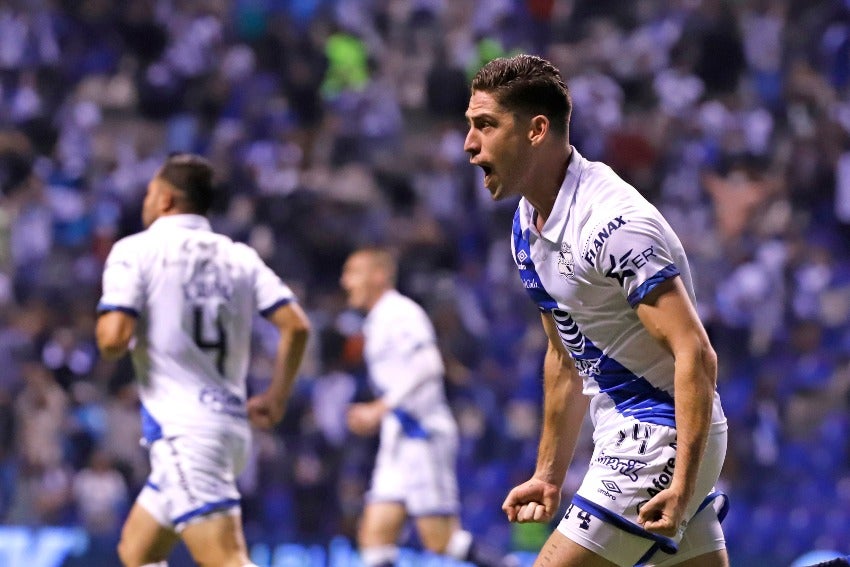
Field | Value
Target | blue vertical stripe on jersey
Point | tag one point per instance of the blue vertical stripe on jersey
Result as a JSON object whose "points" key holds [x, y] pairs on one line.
{"points": [[643, 290], [151, 429], [527, 272]]}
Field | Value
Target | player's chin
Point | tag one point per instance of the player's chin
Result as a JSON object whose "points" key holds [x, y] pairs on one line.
{"points": [[497, 191]]}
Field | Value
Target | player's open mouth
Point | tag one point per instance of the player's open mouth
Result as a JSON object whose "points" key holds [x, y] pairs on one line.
{"points": [[488, 172]]}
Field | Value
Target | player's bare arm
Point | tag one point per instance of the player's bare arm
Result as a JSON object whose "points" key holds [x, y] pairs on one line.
{"points": [[267, 409], [113, 333], [564, 407], [671, 318]]}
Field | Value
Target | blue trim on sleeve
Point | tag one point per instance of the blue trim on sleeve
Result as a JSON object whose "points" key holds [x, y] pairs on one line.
{"points": [[106, 308], [206, 509], [527, 272], [666, 544], [643, 290], [274, 306], [410, 425], [151, 429], [152, 485]]}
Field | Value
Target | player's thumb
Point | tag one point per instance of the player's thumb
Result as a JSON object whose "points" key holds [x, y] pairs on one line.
{"points": [[648, 513]]}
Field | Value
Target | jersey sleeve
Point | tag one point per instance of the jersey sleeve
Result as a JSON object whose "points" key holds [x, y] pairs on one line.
{"points": [[269, 290], [123, 284], [633, 252]]}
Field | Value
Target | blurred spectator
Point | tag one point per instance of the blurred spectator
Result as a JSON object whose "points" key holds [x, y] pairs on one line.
{"points": [[101, 496]]}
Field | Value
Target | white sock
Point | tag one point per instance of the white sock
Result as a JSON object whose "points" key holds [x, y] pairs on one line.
{"points": [[459, 544], [160, 564], [379, 555]]}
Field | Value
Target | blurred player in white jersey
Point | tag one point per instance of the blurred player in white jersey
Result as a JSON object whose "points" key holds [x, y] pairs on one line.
{"points": [[181, 299], [414, 471], [615, 293]]}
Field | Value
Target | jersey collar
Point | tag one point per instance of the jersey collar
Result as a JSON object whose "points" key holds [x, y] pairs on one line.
{"points": [[554, 227], [195, 222]]}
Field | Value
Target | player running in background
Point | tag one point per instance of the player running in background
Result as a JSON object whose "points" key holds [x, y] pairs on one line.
{"points": [[415, 470], [181, 298], [616, 297]]}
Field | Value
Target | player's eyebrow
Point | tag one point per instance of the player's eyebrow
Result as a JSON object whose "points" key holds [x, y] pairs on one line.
{"points": [[473, 117]]}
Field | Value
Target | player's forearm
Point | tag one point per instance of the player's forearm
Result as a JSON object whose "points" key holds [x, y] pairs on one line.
{"points": [[564, 407], [290, 353], [695, 382], [113, 334]]}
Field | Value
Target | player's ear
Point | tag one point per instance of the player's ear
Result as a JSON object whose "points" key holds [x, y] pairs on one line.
{"points": [[538, 128], [167, 197]]}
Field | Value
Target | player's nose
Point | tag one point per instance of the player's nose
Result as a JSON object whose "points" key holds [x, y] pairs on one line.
{"points": [[471, 143]]}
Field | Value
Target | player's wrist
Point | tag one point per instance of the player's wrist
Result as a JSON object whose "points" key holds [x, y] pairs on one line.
{"points": [[547, 478]]}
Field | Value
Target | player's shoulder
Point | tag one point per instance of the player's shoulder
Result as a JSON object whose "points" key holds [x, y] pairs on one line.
{"points": [[134, 244], [397, 306], [619, 214]]}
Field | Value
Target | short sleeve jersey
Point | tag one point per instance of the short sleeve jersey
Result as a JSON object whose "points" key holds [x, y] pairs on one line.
{"points": [[194, 293], [405, 366], [601, 251]]}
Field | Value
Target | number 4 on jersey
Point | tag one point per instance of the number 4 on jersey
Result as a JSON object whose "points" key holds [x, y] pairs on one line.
{"points": [[208, 332]]}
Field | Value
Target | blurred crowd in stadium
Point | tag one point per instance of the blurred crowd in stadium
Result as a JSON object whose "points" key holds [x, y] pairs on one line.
{"points": [[336, 123]]}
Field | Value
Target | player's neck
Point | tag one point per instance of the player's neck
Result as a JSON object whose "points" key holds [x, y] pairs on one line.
{"points": [[376, 297], [544, 190]]}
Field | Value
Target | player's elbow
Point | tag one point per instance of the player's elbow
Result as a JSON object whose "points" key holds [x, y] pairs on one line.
{"points": [[111, 348], [113, 334], [301, 328], [706, 359]]}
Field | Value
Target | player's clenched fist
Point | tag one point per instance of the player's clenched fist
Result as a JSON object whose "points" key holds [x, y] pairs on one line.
{"points": [[264, 412], [532, 501]]}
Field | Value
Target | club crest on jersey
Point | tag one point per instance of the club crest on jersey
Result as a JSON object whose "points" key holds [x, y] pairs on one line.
{"points": [[566, 265]]}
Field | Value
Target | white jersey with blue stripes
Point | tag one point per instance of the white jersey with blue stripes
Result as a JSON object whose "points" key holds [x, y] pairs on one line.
{"points": [[601, 251], [194, 294], [406, 368]]}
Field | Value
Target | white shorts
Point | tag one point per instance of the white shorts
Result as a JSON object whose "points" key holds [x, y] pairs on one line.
{"points": [[193, 477], [628, 469], [418, 472]]}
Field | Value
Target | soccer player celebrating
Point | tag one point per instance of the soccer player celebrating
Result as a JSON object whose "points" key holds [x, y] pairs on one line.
{"points": [[414, 470], [614, 289], [181, 298]]}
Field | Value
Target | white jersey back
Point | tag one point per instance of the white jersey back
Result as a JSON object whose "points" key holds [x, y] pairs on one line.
{"points": [[602, 250], [405, 365], [194, 293]]}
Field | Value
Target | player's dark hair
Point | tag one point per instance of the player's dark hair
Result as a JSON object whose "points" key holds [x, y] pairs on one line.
{"points": [[527, 85], [192, 175]]}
